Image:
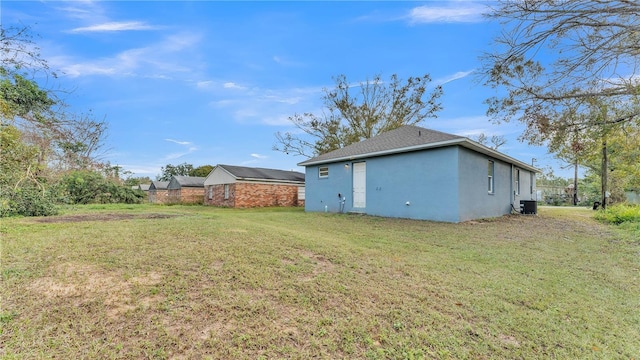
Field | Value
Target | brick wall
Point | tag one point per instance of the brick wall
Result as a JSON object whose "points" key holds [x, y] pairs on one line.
{"points": [[218, 196], [189, 195], [244, 195], [158, 196]]}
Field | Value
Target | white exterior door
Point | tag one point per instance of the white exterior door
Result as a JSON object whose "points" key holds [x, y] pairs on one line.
{"points": [[360, 185]]}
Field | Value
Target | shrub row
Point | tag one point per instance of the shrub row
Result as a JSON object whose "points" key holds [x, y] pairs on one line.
{"points": [[78, 187], [26, 201], [618, 214]]}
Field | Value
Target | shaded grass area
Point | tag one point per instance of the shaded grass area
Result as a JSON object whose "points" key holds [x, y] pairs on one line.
{"points": [[178, 282]]}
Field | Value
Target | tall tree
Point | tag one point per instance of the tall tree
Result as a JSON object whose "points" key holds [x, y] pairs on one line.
{"points": [[20, 54], [558, 55], [71, 141], [554, 51], [17, 159], [201, 171], [178, 170], [355, 112], [38, 137]]}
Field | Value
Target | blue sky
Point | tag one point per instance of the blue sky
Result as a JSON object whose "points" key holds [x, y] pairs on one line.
{"points": [[211, 82]]}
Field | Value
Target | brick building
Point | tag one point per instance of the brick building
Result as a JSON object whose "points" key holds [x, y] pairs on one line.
{"points": [[186, 189], [243, 187], [158, 192]]}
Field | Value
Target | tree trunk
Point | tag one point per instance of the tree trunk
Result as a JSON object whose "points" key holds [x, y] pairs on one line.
{"points": [[575, 182], [605, 173]]}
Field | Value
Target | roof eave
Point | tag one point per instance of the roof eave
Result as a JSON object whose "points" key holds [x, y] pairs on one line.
{"points": [[459, 141], [384, 152], [272, 180], [498, 155]]}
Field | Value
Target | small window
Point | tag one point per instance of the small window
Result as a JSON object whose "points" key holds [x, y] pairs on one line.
{"points": [[210, 192], [226, 191], [517, 185], [323, 172], [490, 177]]}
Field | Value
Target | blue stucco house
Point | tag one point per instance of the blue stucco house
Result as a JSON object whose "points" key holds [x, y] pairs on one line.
{"points": [[417, 173]]}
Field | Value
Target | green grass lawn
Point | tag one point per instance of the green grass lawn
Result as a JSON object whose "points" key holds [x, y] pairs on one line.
{"points": [[173, 282]]}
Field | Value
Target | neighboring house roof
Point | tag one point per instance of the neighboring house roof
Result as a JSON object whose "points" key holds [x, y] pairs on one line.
{"points": [[144, 187], [405, 139], [249, 173], [185, 181], [158, 185]]}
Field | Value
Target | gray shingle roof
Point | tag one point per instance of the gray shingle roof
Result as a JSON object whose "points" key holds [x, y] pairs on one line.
{"points": [[404, 137], [242, 172], [186, 181], [159, 185]]}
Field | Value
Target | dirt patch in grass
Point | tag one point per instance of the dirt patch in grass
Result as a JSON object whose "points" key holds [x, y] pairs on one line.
{"points": [[101, 217], [320, 264], [80, 284]]}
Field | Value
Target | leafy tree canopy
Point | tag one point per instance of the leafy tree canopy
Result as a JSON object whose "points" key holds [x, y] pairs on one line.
{"points": [[593, 51], [566, 67], [134, 181], [356, 112], [174, 170], [201, 171], [39, 139]]}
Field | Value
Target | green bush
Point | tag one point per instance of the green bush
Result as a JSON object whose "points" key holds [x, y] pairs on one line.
{"points": [[88, 187], [26, 201], [618, 214]]}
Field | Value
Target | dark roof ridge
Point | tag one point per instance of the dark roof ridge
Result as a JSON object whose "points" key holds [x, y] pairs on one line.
{"points": [[405, 136], [256, 173]]}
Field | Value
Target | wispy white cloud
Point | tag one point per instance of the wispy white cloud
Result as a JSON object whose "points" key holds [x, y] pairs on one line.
{"points": [[252, 104], [179, 142], [290, 100], [471, 133], [176, 155], [259, 156], [188, 149], [449, 78], [277, 120], [179, 154], [453, 12], [205, 84], [91, 12], [114, 26], [156, 60], [232, 85], [214, 85], [142, 170], [249, 162], [74, 70]]}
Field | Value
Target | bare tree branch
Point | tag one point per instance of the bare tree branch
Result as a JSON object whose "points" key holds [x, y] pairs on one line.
{"points": [[353, 113]]}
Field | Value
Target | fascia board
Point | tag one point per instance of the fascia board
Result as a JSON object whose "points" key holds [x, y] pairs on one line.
{"points": [[462, 142]]}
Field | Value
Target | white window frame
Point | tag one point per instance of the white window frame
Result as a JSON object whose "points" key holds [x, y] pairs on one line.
{"points": [[226, 191], [517, 178], [323, 172], [490, 176], [210, 192]]}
